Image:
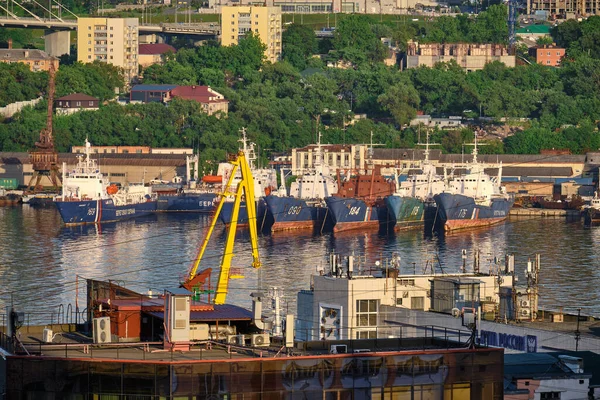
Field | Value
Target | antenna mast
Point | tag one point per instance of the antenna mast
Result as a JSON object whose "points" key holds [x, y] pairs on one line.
{"points": [[44, 158]]}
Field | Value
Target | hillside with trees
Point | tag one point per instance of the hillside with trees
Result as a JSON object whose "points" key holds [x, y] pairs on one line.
{"points": [[283, 105]]}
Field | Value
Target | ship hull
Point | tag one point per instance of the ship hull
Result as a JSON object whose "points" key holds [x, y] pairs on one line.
{"points": [[97, 211], [289, 213], [261, 214], [352, 214], [456, 211], [405, 212], [591, 216], [187, 202]]}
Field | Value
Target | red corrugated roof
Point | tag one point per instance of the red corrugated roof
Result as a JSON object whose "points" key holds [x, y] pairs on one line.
{"points": [[201, 94], [155, 48]]}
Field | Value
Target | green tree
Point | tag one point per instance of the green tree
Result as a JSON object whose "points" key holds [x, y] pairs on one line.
{"points": [[402, 101], [299, 43]]}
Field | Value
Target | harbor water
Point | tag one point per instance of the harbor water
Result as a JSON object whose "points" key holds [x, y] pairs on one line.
{"points": [[44, 264]]}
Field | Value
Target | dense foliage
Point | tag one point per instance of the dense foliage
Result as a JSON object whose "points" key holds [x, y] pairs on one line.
{"points": [[285, 104]]}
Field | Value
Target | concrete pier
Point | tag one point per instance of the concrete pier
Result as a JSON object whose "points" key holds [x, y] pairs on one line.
{"points": [[544, 212]]}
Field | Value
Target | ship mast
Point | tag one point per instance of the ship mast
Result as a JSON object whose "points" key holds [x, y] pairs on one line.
{"points": [[44, 158]]}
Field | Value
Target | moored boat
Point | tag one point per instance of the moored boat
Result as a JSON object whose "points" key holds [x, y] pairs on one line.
{"points": [[473, 199], [304, 207], [359, 202], [10, 198], [413, 199], [87, 197], [591, 213]]}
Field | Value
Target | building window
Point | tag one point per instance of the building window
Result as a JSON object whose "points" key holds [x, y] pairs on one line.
{"points": [[417, 303], [78, 104], [366, 335], [91, 104], [366, 312]]}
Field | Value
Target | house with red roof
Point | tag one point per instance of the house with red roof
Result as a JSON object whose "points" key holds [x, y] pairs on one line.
{"points": [[210, 100], [149, 54]]}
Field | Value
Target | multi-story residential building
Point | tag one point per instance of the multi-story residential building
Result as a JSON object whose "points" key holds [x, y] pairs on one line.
{"points": [[548, 55], [469, 56], [565, 8], [37, 60], [111, 40], [262, 21]]}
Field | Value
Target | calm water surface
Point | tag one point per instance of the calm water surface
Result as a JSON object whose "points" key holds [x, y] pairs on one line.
{"points": [[40, 258]]}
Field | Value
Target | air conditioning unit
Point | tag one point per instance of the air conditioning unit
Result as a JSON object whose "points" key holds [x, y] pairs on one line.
{"points": [[524, 313], [260, 339], [236, 339], [199, 332], [525, 303], [101, 328]]}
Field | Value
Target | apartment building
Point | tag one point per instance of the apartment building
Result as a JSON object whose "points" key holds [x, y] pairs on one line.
{"points": [[565, 8], [548, 55], [37, 60], [263, 21], [111, 40], [469, 56]]}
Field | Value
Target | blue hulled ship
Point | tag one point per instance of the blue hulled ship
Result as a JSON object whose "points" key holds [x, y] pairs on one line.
{"points": [[187, 202], [88, 198], [304, 207], [473, 199], [359, 202], [457, 211], [351, 213]]}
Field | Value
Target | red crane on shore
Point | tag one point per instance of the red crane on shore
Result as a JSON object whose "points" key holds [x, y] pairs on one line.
{"points": [[44, 158]]}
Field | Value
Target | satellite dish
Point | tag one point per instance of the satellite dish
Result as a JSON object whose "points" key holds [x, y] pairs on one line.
{"points": [[455, 312]]}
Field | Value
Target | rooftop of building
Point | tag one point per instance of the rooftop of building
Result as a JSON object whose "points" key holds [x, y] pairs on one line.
{"points": [[203, 94], [24, 54], [153, 88], [78, 346], [534, 29], [76, 97], [155, 49]]}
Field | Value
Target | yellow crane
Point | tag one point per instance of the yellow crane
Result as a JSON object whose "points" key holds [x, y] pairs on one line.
{"points": [[245, 189]]}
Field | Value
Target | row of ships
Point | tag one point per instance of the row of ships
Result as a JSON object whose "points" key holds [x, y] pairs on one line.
{"points": [[317, 200]]}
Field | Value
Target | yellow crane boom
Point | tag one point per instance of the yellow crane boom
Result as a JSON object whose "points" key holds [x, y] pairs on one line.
{"points": [[245, 189]]}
